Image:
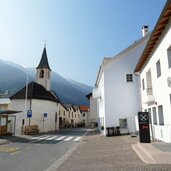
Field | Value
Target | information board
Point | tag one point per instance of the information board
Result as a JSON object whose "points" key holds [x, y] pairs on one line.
{"points": [[144, 129]]}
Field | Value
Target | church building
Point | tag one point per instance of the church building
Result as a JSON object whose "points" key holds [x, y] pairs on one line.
{"points": [[40, 105]]}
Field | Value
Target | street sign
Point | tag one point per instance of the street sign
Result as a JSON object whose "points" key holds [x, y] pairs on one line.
{"points": [[144, 129], [45, 115], [29, 113]]}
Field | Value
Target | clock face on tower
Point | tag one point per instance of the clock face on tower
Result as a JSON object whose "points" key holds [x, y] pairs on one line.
{"points": [[169, 81]]}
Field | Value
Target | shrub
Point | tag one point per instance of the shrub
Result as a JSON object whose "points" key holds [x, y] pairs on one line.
{"points": [[102, 127]]}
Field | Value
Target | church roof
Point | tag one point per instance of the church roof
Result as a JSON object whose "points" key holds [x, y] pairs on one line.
{"points": [[44, 60], [35, 91]]}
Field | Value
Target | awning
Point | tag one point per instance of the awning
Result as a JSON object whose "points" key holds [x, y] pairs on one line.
{"points": [[4, 111]]}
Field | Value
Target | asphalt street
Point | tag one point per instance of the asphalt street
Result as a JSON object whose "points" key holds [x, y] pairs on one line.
{"points": [[36, 153]]}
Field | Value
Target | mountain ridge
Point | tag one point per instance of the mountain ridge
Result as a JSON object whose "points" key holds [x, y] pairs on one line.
{"points": [[13, 78]]}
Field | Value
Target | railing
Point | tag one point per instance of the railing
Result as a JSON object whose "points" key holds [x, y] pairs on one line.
{"points": [[149, 91]]}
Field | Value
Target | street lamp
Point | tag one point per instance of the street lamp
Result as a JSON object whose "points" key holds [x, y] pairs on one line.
{"points": [[25, 105]]}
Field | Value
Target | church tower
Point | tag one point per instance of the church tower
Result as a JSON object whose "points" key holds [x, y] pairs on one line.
{"points": [[44, 71]]}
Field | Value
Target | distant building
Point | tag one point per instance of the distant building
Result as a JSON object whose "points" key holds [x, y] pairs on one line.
{"points": [[85, 115], [71, 115], [93, 117], [154, 69], [4, 102], [117, 89], [40, 106], [63, 116]]}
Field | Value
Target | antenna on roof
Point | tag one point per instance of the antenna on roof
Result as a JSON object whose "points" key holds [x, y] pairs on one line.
{"points": [[44, 43]]}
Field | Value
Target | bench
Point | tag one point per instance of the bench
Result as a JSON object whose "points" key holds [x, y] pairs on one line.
{"points": [[3, 130], [31, 129]]}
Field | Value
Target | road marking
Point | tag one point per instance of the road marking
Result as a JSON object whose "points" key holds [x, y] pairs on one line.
{"points": [[43, 138], [15, 152], [34, 138], [27, 147], [77, 139], [51, 138], [69, 138], [60, 138]]}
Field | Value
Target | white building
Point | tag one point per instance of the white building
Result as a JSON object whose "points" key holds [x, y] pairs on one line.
{"points": [[154, 68], [63, 116], [85, 115], [93, 118], [117, 88], [39, 105]]}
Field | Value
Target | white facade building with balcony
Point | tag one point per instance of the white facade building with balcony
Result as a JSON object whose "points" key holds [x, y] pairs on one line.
{"points": [[154, 68]]}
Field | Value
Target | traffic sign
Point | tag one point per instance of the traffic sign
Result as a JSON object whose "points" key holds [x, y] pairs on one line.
{"points": [[29, 113]]}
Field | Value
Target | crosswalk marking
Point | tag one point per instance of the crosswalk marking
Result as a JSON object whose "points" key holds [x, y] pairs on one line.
{"points": [[43, 138], [51, 138], [60, 138], [55, 138], [77, 139], [35, 138], [69, 138]]}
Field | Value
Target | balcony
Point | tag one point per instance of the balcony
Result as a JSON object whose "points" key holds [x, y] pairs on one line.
{"points": [[96, 93], [150, 97]]}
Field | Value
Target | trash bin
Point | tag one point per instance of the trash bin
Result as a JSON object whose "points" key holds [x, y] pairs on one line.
{"points": [[118, 130]]}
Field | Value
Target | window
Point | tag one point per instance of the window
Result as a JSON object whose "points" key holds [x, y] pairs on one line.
{"points": [[72, 114], [23, 121], [41, 74], [143, 85], [158, 67], [154, 116], [64, 112], [129, 78], [83, 114], [160, 113], [169, 56], [59, 113]]}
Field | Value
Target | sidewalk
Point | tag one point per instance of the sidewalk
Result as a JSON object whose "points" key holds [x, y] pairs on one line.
{"points": [[154, 153], [99, 153]]}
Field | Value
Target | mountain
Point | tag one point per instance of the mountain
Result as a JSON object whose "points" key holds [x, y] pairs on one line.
{"points": [[13, 78]]}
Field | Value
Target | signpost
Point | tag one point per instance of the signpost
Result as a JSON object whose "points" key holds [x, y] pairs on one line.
{"points": [[44, 116], [29, 115], [144, 129]]}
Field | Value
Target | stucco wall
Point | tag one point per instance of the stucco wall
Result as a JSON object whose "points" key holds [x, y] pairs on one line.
{"points": [[161, 90], [120, 99], [38, 107]]}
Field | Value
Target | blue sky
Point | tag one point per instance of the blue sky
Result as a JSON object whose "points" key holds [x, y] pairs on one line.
{"points": [[78, 33]]}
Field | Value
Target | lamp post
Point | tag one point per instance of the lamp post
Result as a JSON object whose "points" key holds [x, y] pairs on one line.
{"points": [[25, 106]]}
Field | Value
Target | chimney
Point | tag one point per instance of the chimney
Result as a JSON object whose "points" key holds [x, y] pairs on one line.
{"points": [[144, 30]]}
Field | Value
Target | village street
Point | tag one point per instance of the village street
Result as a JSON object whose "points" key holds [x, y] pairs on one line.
{"points": [[37, 152]]}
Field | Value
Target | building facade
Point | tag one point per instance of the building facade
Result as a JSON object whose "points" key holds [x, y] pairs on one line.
{"points": [[154, 69], [116, 89], [93, 118], [39, 105]]}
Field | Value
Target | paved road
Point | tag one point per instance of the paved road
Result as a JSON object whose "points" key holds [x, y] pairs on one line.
{"points": [[36, 153], [99, 153]]}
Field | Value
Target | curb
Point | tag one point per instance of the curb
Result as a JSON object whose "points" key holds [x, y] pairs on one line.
{"points": [[143, 154]]}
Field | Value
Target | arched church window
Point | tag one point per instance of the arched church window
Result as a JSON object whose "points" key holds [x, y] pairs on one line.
{"points": [[41, 74]]}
